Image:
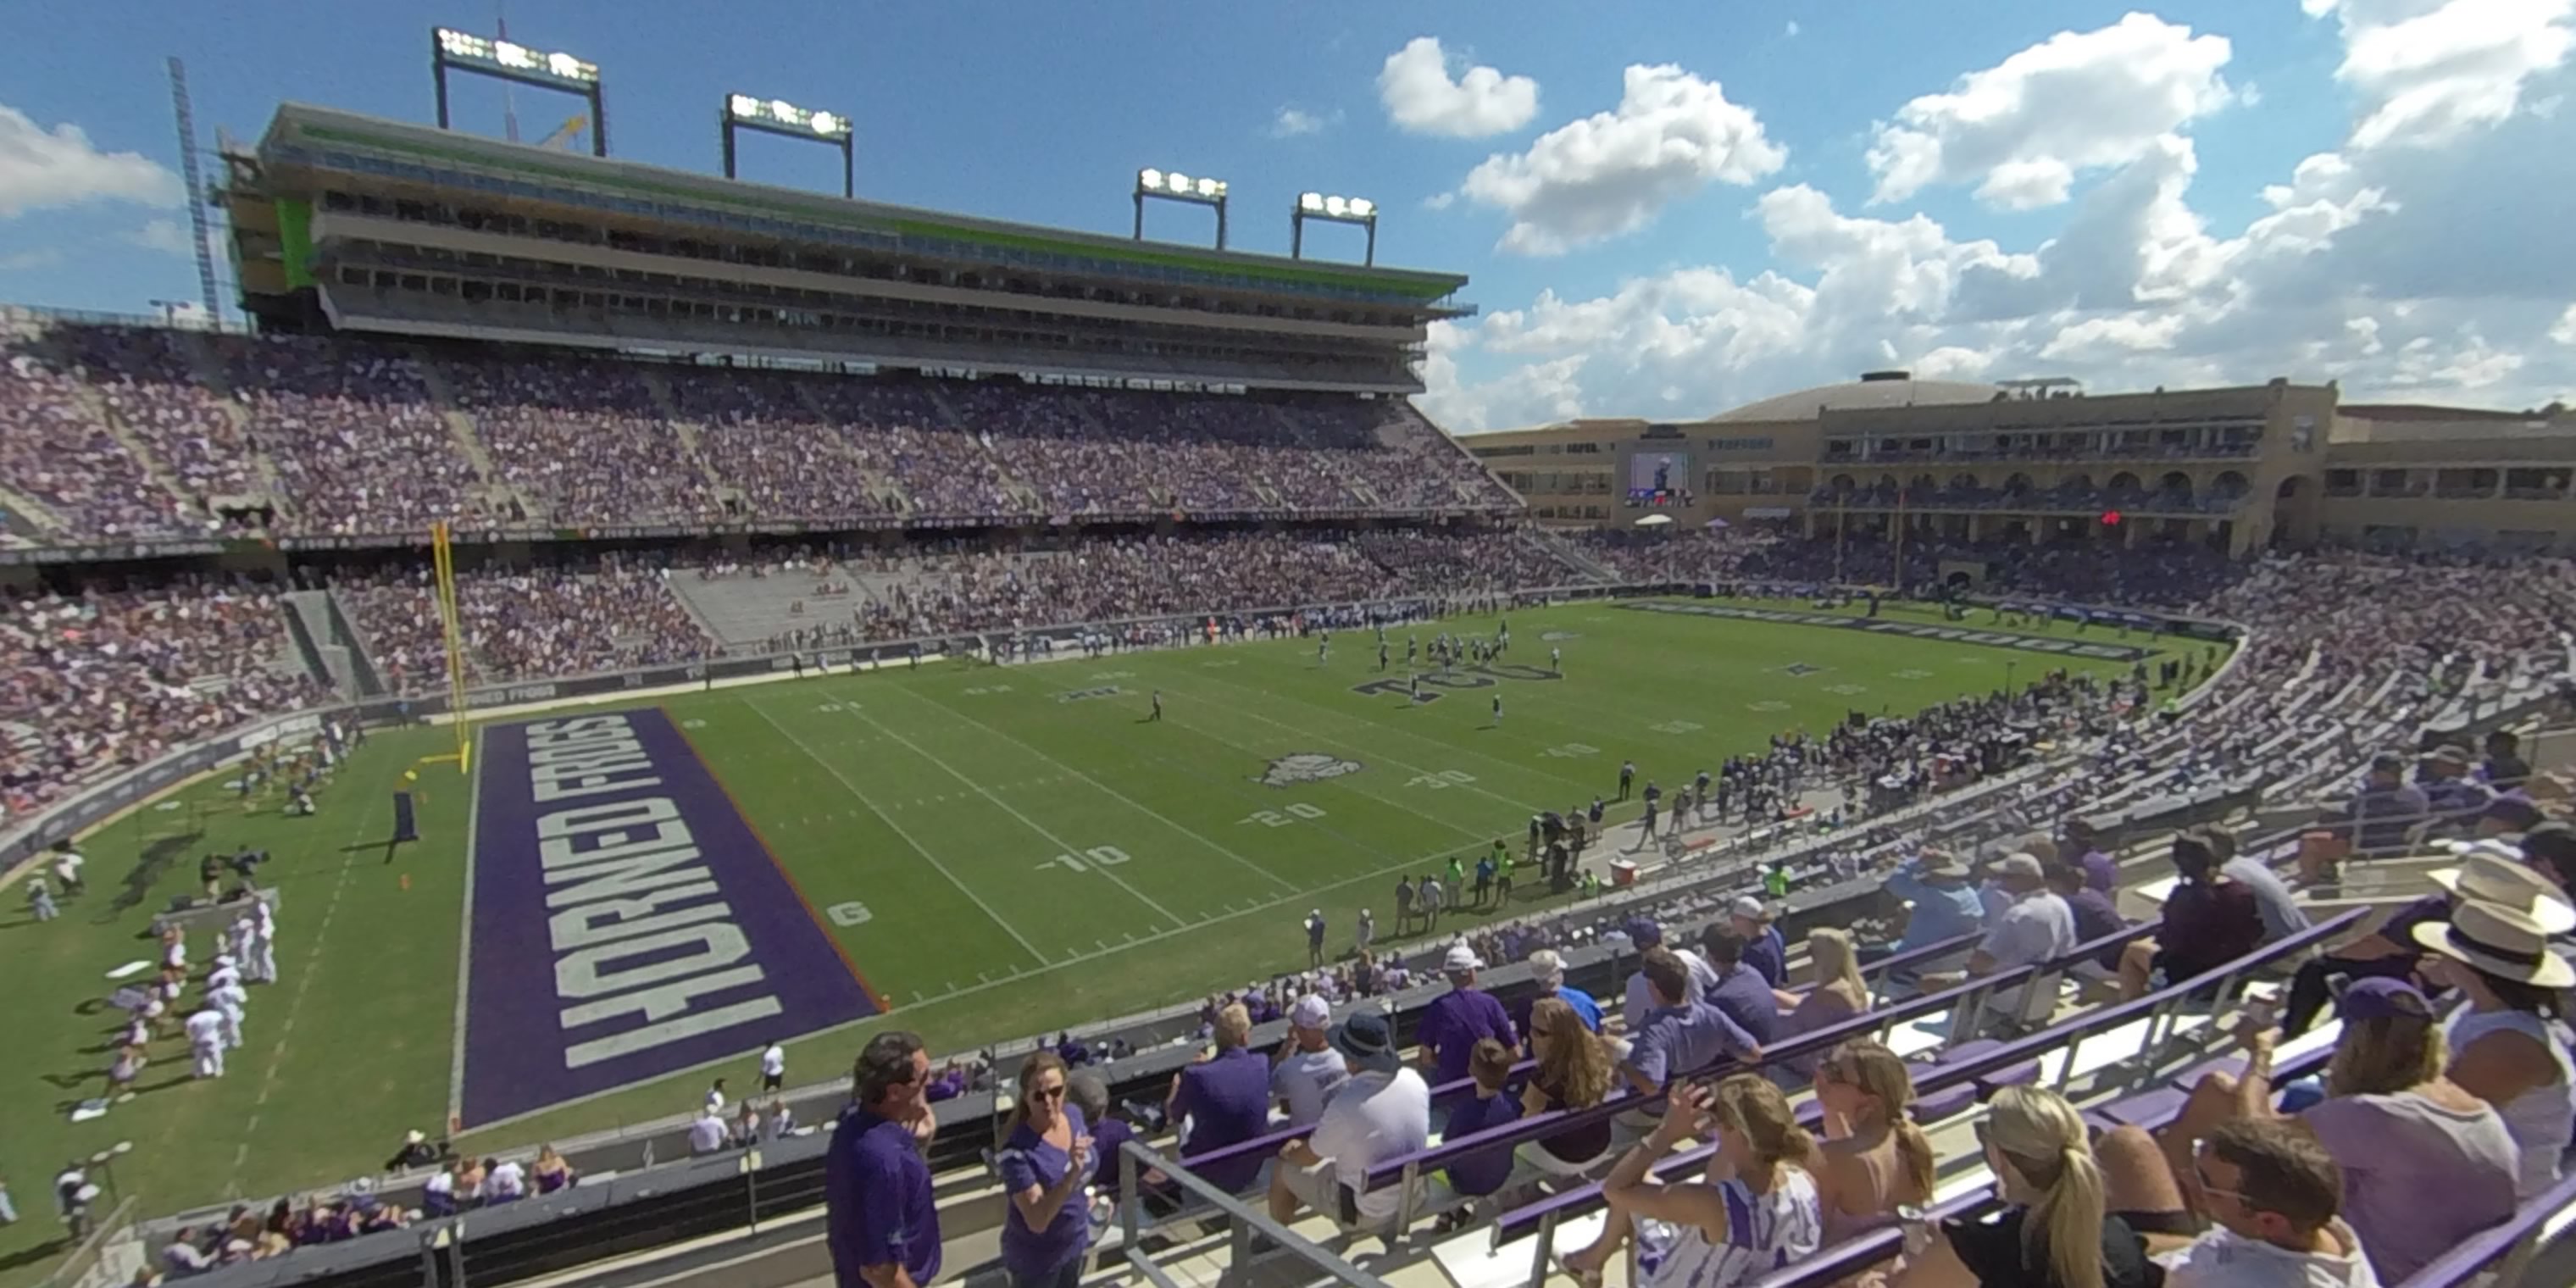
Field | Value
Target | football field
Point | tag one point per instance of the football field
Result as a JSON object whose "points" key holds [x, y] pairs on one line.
{"points": [[620, 902]]}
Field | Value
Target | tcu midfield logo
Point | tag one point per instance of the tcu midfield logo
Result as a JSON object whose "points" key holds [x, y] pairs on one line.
{"points": [[1306, 767], [1481, 677]]}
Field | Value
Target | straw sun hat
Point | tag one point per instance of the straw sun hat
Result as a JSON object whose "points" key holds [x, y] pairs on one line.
{"points": [[2505, 942]]}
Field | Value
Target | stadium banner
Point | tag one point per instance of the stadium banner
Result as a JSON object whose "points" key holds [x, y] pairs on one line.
{"points": [[626, 922]]}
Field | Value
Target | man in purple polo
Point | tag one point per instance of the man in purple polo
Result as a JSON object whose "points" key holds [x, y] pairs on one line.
{"points": [[1226, 1097], [882, 1224], [1457, 1020]]}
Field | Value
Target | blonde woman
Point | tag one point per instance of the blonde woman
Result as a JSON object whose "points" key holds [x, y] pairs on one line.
{"points": [[1874, 1158], [1838, 994], [1755, 1212], [2057, 1231], [1574, 1072]]}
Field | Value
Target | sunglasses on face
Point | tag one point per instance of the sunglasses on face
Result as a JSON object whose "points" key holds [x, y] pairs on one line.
{"points": [[1047, 1093]]}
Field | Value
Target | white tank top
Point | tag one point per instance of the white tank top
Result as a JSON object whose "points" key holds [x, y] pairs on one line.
{"points": [[2542, 1119]]}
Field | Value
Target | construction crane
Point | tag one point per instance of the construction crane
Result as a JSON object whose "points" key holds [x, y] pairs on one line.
{"points": [[566, 135]]}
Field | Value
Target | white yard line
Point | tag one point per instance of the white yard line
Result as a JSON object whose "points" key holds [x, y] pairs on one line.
{"points": [[303, 984], [465, 940], [1062, 846], [888, 819], [1112, 792]]}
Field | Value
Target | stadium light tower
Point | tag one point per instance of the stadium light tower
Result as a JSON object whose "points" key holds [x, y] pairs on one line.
{"points": [[1338, 210], [1172, 185], [511, 61], [780, 117]]}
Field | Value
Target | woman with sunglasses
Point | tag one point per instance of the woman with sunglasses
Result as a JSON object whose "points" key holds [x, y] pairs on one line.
{"points": [[1874, 1158], [2057, 1230], [1574, 1072], [1044, 1165]]}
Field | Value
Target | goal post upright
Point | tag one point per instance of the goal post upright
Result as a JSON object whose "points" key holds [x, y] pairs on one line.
{"points": [[452, 628]]}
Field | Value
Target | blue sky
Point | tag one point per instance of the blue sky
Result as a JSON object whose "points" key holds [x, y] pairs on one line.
{"points": [[1666, 209]]}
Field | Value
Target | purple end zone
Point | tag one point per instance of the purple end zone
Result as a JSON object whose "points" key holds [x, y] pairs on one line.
{"points": [[626, 920]]}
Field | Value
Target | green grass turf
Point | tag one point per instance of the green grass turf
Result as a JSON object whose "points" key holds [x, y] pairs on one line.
{"points": [[939, 798]]}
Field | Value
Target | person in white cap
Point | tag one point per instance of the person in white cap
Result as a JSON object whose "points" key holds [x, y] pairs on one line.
{"points": [[2035, 926], [1308, 1070], [1457, 1020], [1315, 937], [2508, 1044], [206, 1042], [1765, 950], [1364, 931]]}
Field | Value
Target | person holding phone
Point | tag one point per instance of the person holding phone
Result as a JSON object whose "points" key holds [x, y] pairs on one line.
{"points": [[1044, 1165]]}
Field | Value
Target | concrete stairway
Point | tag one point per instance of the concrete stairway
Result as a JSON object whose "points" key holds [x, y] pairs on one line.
{"points": [[96, 404], [498, 493], [28, 519], [688, 432], [209, 366], [884, 490], [1567, 552], [312, 611], [1028, 497], [745, 612]]}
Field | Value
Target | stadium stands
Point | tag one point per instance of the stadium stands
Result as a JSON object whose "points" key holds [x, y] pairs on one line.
{"points": [[117, 433], [351, 438]]}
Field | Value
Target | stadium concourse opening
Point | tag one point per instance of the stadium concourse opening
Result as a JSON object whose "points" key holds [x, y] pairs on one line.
{"points": [[869, 619]]}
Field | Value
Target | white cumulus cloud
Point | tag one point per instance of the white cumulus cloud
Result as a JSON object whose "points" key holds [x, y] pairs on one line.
{"points": [[2023, 129], [1290, 122], [2412, 273], [1611, 172], [41, 169], [1421, 97], [2429, 69]]}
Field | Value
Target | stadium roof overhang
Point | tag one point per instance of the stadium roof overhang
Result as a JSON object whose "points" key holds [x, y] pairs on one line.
{"points": [[316, 142]]}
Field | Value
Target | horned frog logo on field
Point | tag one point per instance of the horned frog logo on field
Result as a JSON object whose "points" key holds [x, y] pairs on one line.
{"points": [[1306, 767]]}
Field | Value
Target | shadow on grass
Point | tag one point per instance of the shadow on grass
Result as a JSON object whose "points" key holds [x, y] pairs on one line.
{"points": [[46, 1251], [149, 866]]}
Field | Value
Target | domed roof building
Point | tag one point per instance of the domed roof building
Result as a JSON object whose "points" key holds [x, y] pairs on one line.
{"points": [[1873, 389]]}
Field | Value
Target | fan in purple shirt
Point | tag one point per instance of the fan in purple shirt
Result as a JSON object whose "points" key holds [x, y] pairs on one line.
{"points": [[879, 1216], [1457, 1020], [1091, 1096], [1741, 993], [2101, 871], [1484, 1171], [1226, 1097]]}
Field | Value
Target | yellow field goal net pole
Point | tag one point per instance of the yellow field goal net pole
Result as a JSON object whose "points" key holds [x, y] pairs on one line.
{"points": [[452, 627]]}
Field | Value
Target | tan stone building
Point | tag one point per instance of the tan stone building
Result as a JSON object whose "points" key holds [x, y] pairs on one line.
{"points": [[2237, 468]]}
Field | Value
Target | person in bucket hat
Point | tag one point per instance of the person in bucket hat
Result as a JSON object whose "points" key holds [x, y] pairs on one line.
{"points": [[2507, 1042]]}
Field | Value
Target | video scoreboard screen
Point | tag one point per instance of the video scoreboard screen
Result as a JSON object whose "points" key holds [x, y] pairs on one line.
{"points": [[1658, 478]]}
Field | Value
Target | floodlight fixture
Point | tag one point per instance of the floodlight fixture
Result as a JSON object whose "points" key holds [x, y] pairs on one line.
{"points": [[450, 49], [1330, 208], [787, 120], [1173, 185]]}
